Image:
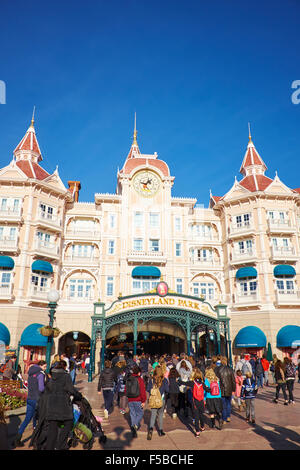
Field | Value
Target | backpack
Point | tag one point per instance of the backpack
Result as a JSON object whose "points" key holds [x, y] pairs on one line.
{"points": [[155, 399], [245, 368], [132, 387], [198, 393], [214, 388]]}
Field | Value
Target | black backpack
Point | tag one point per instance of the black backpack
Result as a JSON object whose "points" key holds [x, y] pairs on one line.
{"points": [[132, 387]]}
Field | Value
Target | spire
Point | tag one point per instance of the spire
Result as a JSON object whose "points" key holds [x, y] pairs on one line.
{"points": [[28, 148], [252, 162], [134, 150]]}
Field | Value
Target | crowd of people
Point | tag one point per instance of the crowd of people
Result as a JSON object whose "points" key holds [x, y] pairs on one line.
{"points": [[183, 386], [187, 387]]}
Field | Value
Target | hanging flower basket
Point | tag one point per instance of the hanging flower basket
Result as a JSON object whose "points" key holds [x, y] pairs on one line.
{"points": [[46, 330], [56, 332]]}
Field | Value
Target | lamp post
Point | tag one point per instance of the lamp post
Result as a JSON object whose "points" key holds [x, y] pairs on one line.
{"points": [[53, 297]]}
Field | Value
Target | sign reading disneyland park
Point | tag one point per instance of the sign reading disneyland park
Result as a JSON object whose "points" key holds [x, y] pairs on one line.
{"points": [[161, 297]]}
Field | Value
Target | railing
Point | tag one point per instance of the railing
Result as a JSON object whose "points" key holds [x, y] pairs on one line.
{"points": [[10, 213], [7, 242], [84, 298], [243, 254], [40, 292], [281, 224], [5, 290], [287, 296], [50, 219], [241, 227], [246, 297], [142, 254], [82, 259], [49, 248], [205, 261], [283, 251], [83, 233]]}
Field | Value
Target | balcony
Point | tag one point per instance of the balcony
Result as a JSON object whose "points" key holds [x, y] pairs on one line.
{"points": [[49, 220], [246, 299], [8, 244], [6, 291], [10, 214], [48, 250], [280, 226], [287, 297], [241, 229], [86, 297], [283, 253], [38, 294], [83, 234], [136, 256], [206, 262], [243, 256], [82, 260]]}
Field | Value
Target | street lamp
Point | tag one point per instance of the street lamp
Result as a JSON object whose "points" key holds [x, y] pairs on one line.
{"points": [[53, 297]]}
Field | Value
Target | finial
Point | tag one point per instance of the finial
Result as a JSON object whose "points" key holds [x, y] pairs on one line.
{"points": [[250, 138], [32, 119], [135, 131]]}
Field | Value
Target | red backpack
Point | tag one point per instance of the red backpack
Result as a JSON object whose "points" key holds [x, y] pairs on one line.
{"points": [[198, 393], [214, 389]]}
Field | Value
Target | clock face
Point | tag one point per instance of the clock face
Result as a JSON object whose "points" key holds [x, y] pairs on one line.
{"points": [[146, 183]]}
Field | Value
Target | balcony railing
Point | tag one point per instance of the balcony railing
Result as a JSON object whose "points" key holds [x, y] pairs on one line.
{"points": [[39, 293], [82, 260], [5, 291], [83, 234], [240, 256], [241, 227], [49, 219], [287, 297], [283, 252], [206, 262], [49, 249], [10, 213], [7, 243], [280, 225], [84, 298], [246, 298], [136, 255]]}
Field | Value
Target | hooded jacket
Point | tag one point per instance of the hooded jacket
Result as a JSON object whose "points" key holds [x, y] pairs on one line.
{"points": [[107, 379], [36, 382], [59, 391]]}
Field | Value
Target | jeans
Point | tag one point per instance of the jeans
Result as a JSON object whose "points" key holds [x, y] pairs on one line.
{"points": [[260, 380], [108, 396], [226, 408], [198, 408], [30, 415], [290, 388], [159, 414], [136, 412], [250, 408], [281, 386], [73, 375], [266, 377]]}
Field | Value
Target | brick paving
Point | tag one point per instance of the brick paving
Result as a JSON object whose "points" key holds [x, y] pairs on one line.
{"points": [[277, 427]]}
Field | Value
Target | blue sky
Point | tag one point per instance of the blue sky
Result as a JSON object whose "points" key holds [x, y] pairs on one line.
{"points": [[195, 72]]}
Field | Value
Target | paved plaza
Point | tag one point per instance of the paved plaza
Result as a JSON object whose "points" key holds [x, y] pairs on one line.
{"points": [[277, 427]]}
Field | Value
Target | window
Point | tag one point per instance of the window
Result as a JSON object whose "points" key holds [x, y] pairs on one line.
{"points": [[204, 289], [178, 249], [142, 286], [80, 289], [46, 212], [179, 288], [5, 279], [110, 286], [285, 286], [177, 224], [138, 244], [39, 283], [10, 205], [154, 220], [83, 251], [111, 247], [112, 220], [154, 245], [243, 220], [138, 219], [247, 287], [245, 246]]}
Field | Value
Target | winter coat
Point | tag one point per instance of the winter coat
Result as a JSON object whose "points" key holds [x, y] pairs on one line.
{"points": [[58, 392], [227, 380], [249, 388], [35, 382], [265, 363], [106, 379], [259, 368], [239, 383]]}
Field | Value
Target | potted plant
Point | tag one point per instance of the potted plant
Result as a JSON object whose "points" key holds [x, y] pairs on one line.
{"points": [[46, 330], [56, 332]]}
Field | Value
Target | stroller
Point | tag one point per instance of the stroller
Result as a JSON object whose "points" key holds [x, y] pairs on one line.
{"points": [[86, 426]]}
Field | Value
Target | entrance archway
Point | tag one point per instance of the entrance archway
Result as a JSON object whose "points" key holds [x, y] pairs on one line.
{"points": [[74, 342]]}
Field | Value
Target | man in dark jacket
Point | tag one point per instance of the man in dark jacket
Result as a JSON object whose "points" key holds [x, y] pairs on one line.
{"points": [[228, 385], [259, 372], [36, 386], [106, 384], [59, 408]]}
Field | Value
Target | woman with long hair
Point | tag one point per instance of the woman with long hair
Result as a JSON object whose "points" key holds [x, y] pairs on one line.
{"points": [[290, 377], [158, 383], [184, 368], [173, 392], [213, 397], [280, 381]]}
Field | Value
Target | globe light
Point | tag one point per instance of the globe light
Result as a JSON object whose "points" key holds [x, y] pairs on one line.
{"points": [[53, 296]]}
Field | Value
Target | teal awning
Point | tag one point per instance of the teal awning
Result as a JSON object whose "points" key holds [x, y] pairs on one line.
{"points": [[246, 272], [288, 337], [146, 271], [4, 334], [7, 262], [284, 270], [42, 266], [250, 337], [32, 337]]}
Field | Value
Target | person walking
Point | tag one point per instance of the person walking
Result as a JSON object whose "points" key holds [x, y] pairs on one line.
{"points": [[246, 366], [280, 382], [259, 373], [228, 386], [239, 383], [120, 388], [197, 390], [8, 371], [136, 393], [173, 392], [272, 367], [213, 397], [158, 388], [248, 393], [73, 366], [59, 409], [265, 363], [35, 387], [106, 383], [184, 368], [290, 377]]}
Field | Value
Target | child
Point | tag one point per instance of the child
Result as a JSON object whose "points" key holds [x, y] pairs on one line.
{"points": [[248, 393], [213, 397], [120, 389], [197, 392], [239, 382]]}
